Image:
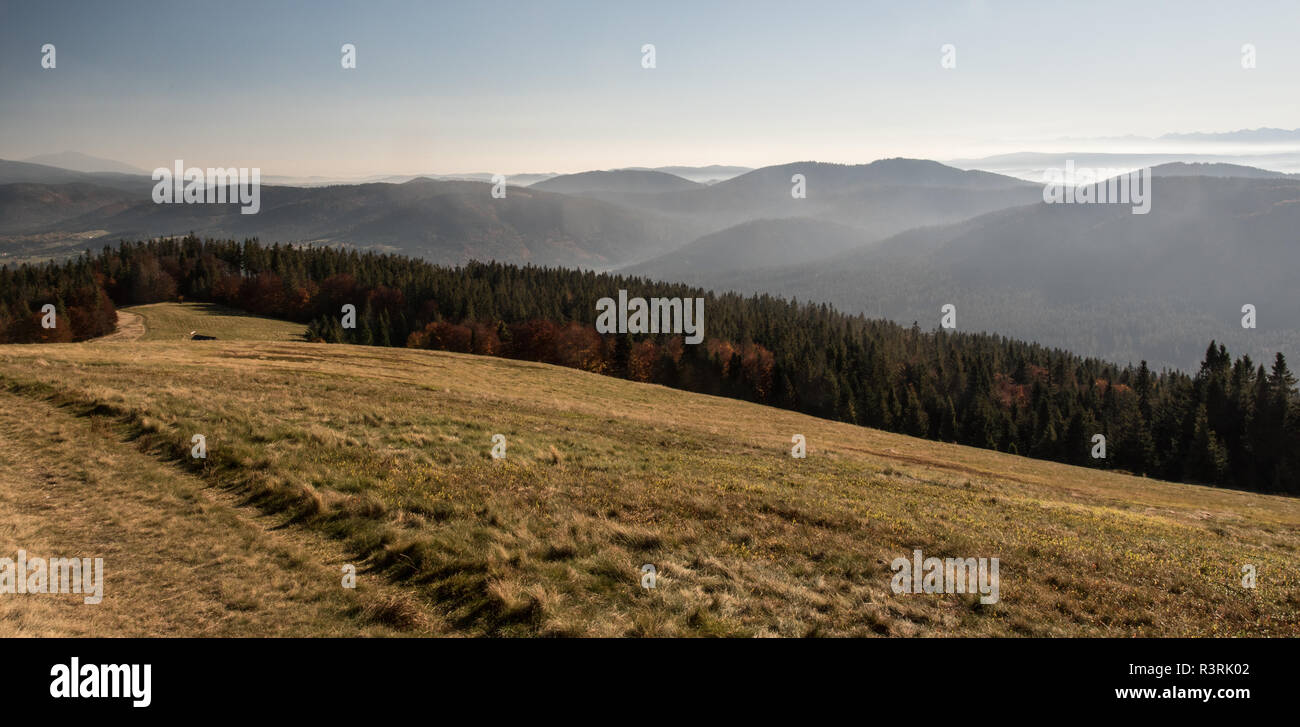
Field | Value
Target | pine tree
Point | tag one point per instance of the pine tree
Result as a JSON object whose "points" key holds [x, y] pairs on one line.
{"points": [[1207, 460], [915, 421], [382, 335]]}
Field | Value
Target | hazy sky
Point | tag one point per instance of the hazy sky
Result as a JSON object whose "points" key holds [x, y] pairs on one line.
{"points": [[558, 86]]}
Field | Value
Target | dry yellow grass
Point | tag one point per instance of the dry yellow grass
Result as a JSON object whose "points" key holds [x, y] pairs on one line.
{"points": [[175, 321], [180, 557], [130, 327], [387, 451]]}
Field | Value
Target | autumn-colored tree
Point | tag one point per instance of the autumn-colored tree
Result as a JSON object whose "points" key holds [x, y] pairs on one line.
{"points": [[641, 360], [581, 347], [1233, 423], [226, 289], [758, 363], [264, 293], [484, 340], [443, 336], [534, 340]]}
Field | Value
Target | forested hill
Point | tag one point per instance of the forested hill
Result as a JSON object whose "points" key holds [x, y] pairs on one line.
{"points": [[1235, 422]]}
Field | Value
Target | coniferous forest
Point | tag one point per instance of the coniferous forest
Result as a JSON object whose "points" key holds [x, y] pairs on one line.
{"points": [[1235, 422]]}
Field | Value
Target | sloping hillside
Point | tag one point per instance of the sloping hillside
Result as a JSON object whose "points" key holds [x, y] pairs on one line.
{"points": [[25, 207], [175, 321], [752, 245], [882, 198], [79, 162], [441, 221], [1093, 278], [600, 219], [618, 181], [388, 452], [181, 558]]}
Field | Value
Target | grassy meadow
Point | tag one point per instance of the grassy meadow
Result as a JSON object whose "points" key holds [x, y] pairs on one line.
{"points": [[384, 454], [181, 558], [174, 321]]}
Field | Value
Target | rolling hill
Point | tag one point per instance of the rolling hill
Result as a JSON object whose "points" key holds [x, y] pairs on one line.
{"points": [[1031, 165], [12, 172], [752, 245], [175, 321], [880, 199], [1095, 279], [441, 221], [78, 162], [612, 184], [593, 219], [754, 221], [710, 174], [380, 458], [34, 207], [1216, 169]]}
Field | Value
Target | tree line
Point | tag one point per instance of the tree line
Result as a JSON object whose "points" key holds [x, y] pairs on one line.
{"points": [[1234, 422]]}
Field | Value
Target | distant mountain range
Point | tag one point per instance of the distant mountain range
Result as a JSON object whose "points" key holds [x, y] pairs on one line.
{"points": [[593, 219], [1093, 278], [28, 173], [78, 162], [75, 161], [752, 245], [615, 184], [1276, 150], [1030, 166], [1261, 135], [442, 221], [704, 175], [1216, 169], [880, 198], [895, 238]]}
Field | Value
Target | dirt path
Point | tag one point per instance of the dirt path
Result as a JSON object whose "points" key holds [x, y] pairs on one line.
{"points": [[181, 558], [130, 327]]}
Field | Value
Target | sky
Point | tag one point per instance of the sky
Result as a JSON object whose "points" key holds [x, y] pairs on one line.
{"points": [[549, 86]]}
